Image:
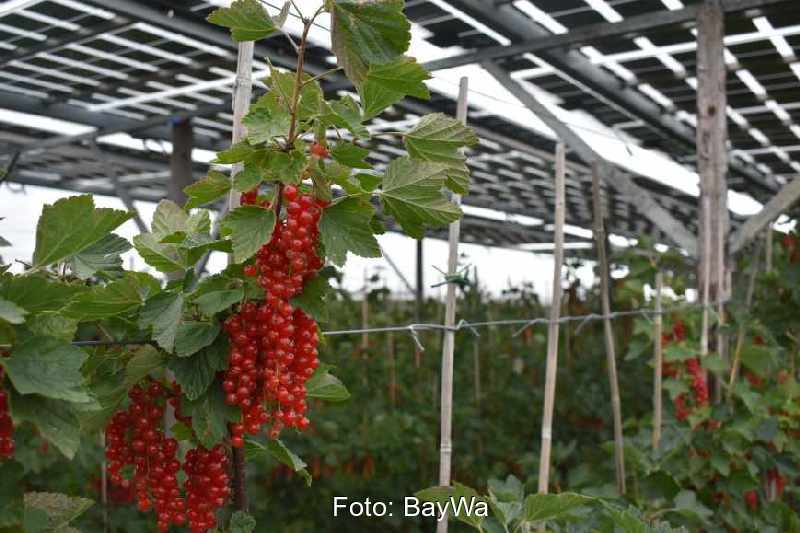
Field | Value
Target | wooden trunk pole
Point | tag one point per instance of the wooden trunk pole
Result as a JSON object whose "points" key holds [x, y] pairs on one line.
{"points": [[552, 331], [448, 346], [748, 302], [712, 164], [242, 93], [658, 363], [611, 357]]}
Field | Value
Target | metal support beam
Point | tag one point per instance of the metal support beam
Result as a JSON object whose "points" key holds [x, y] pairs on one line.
{"points": [[752, 228], [79, 36], [637, 196], [593, 78], [592, 33]]}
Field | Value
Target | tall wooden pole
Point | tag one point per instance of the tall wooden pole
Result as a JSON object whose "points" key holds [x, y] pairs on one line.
{"points": [[242, 93], [448, 346], [712, 162], [611, 357], [658, 363], [552, 331], [180, 161], [768, 251]]}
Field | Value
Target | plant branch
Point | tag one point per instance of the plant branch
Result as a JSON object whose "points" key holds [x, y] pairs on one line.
{"points": [[238, 480], [298, 81]]}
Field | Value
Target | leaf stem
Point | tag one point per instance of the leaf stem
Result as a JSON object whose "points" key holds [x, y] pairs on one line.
{"points": [[320, 76]]}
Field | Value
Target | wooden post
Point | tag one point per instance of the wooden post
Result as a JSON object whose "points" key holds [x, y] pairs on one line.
{"points": [[242, 93], [180, 161], [712, 163], [611, 358], [420, 294], [365, 313], [552, 331], [658, 363], [448, 345]]}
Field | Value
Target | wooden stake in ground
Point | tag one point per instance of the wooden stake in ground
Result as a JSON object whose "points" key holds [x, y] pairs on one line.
{"points": [[768, 251], [552, 331], [242, 93], [658, 363], [365, 313], [611, 357], [446, 443]]}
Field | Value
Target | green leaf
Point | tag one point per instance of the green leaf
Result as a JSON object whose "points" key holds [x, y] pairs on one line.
{"points": [[146, 360], [678, 352], [181, 431], [265, 124], [242, 522], [759, 359], [53, 324], [211, 415], [325, 386], [102, 256], [345, 227], [35, 520], [55, 420], [70, 226], [165, 258], [248, 178], [163, 313], [284, 167], [11, 312], [368, 32], [194, 374], [440, 139], [686, 503], [412, 194], [346, 113], [217, 301], [250, 227], [36, 293], [237, 153], [313, 299], [168, 218], [47, 366], [248, 20], [350, 155], [458, 493], [212, 187], [278, 451], [714, 363], [59, 509], [543, 507], [116, 298], [389, 83], [193, 336]]}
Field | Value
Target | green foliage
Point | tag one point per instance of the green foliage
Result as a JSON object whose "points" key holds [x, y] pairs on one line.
{"points": [[325, 386], [242, 522], [345, 227], [412, 194], [248, 20], [278, 451], [250, 228], [59, 509], [71, 226], [209, 189], [368, 33]]}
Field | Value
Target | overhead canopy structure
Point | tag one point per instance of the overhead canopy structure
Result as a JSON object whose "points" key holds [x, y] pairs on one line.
{"points": [[116, 74]]}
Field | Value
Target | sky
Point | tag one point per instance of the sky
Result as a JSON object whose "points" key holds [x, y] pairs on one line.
{"points": [[497, 267]]}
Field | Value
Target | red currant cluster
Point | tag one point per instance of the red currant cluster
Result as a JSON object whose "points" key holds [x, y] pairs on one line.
{"points": [[134, 438], [274, 346], [6, 425], [699, 387], [207, 486]]}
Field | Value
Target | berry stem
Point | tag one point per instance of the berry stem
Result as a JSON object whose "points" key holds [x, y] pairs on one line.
{"points": [[238, 480]]}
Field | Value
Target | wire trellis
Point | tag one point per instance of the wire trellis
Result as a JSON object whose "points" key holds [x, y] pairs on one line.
{"points": [[414, 329]]}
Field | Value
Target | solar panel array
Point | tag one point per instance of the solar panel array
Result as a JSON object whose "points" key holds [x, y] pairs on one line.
{"points": [[123, 67]]}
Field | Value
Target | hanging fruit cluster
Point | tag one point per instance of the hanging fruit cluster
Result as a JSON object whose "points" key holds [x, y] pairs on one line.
{"points": [[135, 438], [273, 345], [684, 404], [6, 425]]}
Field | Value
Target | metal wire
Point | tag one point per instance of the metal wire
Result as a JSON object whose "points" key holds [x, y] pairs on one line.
{"points": [[414, 329]]}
